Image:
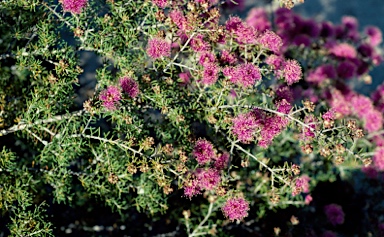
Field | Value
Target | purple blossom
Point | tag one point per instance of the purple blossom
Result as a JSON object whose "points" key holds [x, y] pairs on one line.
{"points": [[343, 50], [191, 188], [158, 48], [160, 3], [283, 106], [346, 69], [258, 19], [271, 41], [236, 208], [74, 6], [208, 179], [207, 58], [329, 115], [110, 97], [129, 86], [244, 127], [310, 120], [292, 71], [327, 29], [210, 74], [227, 57], [334, 214], [203, 152], [221, 161], [178, 18], [321, 73], [375, 36], [350, 23], [198, 44], [373, 121]]}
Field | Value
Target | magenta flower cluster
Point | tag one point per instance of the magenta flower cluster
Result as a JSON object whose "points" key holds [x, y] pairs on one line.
{"points": [[236, 208], [334, 214], [74, 6], [111, 96], [158, 47], [245, 74]]}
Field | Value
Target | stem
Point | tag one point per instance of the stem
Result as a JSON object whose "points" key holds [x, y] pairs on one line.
{"points": [[194, 233], [22, 125]]}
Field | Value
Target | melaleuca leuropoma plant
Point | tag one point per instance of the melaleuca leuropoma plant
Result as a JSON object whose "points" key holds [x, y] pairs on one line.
{"points": [[207, 119]]}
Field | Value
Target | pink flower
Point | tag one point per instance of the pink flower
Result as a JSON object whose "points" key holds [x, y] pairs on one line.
{"points": [[203, 151], [309, 132], [373, 120], [273, 125], [283, 106], [334, 214], [222, 161], [292, 71], [343, 50], [178, 18], [185, 78], [258, 19], [158, 48], [160, 3], [130, 86], [339, 103], [378, 158], [210, 74], [74, 6], [271, 41], [329, 115], [245, 74], [321, 73], [244, 127], [308, 199], [350, 23], [245, 34], [110, 97], [191, 188], [236, 208], [198, 44], [208, 179], [227, 57], [207, 58], [375, 36]]}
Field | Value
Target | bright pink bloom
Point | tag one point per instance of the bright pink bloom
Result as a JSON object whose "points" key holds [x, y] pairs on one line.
{"points": [[292, 71], [309, 132], [245, 74], [273, 125], [373, 121], [74, 6], [222, 161], [258, 19], [233, 24], [207, 58], [244, 127], [283, 106], [236, 208], [245, 33], [129, 86], [375, 36], [321, 73], [271, 41], [208, 179], [361, 105], [210, 74], [227, 57], [191, 188], [334, 214], [158, 47], [339, 103], [203, 152], [185, 78], [178, 18], [198, 44], [343, 50], [160, 3], [350, 23], [329, 115], [110, 97], [308, 199], [378, 158]]}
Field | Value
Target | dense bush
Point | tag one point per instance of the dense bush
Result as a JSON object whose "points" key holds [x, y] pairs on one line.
{"points": [[195, 123]]}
